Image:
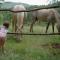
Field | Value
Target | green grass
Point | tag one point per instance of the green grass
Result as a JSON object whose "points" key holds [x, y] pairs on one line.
{"points": [[30, 47]]}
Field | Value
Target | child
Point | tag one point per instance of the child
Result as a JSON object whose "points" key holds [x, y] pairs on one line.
{"points": [[3, 34]]}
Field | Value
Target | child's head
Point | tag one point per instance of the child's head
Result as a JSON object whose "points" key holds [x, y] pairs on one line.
{"points": [[6, 24]]}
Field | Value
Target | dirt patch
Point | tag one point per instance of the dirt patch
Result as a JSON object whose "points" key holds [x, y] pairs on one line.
{"points": [[54, 48], [53, 45]]}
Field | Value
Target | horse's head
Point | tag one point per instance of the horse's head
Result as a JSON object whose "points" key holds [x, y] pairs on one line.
{"points": [[58, 27], [57, 16]]}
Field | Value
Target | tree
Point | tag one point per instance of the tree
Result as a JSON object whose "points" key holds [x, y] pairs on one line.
{"points": [[1, 1], [52, 1]]}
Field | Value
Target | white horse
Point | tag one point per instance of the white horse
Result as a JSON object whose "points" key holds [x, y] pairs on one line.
{"points": [[47, 15], [18, 18]]}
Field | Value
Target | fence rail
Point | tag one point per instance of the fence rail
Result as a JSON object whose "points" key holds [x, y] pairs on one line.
{"points": [[34, 33], [49, 7]]}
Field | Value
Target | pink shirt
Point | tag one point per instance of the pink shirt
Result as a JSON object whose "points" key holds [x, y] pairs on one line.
{"points": [[3, 32]]}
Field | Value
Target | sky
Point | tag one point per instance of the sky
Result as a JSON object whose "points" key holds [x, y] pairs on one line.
{"points": [[31, 2]]}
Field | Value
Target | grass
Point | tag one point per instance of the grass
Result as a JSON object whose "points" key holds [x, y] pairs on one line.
{"points": [[30, 47], [39, 29]]}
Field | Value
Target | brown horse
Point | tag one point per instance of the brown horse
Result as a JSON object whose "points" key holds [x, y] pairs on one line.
{"points": [[47, 15]]}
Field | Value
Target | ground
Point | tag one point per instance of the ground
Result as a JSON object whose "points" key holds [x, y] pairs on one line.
{"points": [[32, 47]]}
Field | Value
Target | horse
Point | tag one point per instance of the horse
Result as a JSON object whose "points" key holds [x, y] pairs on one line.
{"points": [[18, 18], [45, 15]]}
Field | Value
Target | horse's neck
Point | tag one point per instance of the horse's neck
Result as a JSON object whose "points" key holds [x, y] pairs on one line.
{"points": [[57, 15]]}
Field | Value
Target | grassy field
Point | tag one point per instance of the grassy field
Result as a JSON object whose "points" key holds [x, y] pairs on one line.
{"points": [[31, 47]]}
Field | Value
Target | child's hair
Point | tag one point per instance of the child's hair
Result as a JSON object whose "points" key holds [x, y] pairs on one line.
{"points": [[6, 24]]}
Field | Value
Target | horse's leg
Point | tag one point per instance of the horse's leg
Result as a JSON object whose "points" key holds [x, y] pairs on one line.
{"points": [[31, 27], [47, 27], [13, 24], [19, 28], [14, 21], [33, 22], [53, 26]]}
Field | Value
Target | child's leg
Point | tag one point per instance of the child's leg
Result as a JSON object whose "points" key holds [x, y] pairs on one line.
{"points": [[2, 44], [2, 49]]}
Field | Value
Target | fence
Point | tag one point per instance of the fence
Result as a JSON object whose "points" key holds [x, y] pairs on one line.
{"points": [[34, 33], [49, 7]]}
